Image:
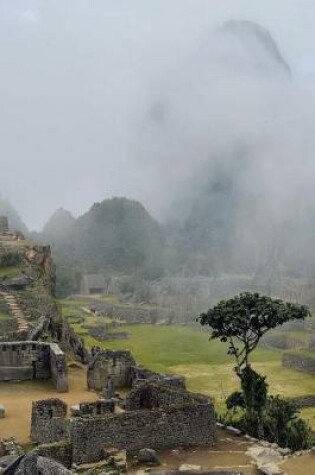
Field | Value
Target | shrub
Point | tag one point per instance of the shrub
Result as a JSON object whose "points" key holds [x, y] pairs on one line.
{"points": [[10, 259], [280, 422]]}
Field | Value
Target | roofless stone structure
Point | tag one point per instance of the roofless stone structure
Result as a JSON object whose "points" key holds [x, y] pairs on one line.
{"points": [[28, 360]]}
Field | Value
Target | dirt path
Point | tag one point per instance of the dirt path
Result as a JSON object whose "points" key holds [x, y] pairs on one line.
{"points": [[304, 465], [228, 453], [17, 399]]}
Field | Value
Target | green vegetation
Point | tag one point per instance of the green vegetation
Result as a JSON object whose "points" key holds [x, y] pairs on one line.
{"points": [[4, 316], [187, 351], [9, 271], [118, 235], [241, 322], [10, 264], [10, 259], [68, 277], [208, 369]]}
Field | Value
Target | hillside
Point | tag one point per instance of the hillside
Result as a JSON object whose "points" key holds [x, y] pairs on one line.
{"points": [[117, 235], [58, 228], [28, 310]]}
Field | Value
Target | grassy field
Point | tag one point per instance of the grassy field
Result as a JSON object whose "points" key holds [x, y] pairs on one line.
{"points": [[10, 271], [204, 363]]}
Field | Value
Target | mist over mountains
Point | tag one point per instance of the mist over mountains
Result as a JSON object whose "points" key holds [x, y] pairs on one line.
{"points": [[225, 143]]}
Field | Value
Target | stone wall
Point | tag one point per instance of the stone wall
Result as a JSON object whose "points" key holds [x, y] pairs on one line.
{"points": [[94, 408], [121, 368], [25, 360], [283, 342], [49, 423], [132, 314], [300, 362], [176, 426], [115, 365], [58, 366], [150, 395], [175, 418], [139, 374], [59, 451], [304, 401]]}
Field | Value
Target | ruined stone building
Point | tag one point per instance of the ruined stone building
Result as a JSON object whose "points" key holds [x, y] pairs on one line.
{"points": [[158, 411], [30, 360], [119, 366], [156, 416]]}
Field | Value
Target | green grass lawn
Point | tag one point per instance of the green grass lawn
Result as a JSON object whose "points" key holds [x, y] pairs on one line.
{"points": [[4, 316], [205, 364], [10, 271]]}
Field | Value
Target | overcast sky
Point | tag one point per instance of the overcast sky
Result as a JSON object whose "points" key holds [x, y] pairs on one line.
{"points": [[81, 80]]}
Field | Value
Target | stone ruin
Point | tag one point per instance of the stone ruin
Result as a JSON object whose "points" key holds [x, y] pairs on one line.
{"points": [[109, 364], [156, 416], [49, 422], [119, 368], [27, 360], [158, 412], [86, 409]]}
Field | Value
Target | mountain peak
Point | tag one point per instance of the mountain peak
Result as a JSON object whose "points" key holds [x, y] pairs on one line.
{"points": [[257, 42], [59, 223]]}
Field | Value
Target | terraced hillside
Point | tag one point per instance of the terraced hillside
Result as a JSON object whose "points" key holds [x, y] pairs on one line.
{"points": [[28, 310]]}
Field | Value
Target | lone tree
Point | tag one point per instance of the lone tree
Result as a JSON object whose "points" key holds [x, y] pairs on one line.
{"points": [[243, 320]]}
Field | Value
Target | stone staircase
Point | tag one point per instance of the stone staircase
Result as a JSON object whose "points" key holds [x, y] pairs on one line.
{"points": [[17, 312]]}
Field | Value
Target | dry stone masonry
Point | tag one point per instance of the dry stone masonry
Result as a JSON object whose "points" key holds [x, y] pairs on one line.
{"points": [[115, 365], [183, 425], [300, 362], [94, 408], [49, 423], [159, 417], [33, 360], [119, 368]]}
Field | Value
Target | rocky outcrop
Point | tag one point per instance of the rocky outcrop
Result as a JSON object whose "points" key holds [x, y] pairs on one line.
{"points": [[39, 265], [28, 284], [33, 464]]}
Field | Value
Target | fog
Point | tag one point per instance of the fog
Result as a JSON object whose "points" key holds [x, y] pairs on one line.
{"points": [[147, 99]]}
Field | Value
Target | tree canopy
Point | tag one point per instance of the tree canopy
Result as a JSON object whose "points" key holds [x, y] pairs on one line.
{"points": [[243, 320]]}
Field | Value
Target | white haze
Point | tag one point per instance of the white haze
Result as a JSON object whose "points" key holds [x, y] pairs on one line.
{"points": [[133, 98]]}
